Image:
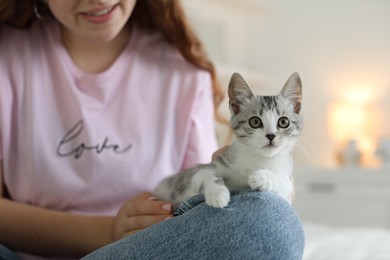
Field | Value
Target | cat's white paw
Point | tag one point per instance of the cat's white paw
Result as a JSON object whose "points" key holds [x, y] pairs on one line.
{"points": [[260, 180], [217, 196]]}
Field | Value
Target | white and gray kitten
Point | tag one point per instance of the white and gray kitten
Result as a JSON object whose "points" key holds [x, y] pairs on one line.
{"points": [[265, 129]]}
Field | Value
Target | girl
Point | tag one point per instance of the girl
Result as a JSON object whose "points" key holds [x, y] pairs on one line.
{"points": [[100, 100]]}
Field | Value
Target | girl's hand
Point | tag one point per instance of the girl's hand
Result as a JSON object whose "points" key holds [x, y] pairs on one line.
{"points": [[139, 213]]}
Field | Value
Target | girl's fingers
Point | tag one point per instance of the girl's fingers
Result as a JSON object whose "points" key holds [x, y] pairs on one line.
{"points": [[140, 212], [147, 207], [141, 222], [146, 204], [143, 196]]}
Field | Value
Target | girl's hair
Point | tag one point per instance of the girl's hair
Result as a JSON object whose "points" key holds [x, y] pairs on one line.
{"points": [[164, 16]]}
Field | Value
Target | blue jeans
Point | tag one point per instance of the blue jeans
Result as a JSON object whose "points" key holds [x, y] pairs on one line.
{"points": [[255, 225]]}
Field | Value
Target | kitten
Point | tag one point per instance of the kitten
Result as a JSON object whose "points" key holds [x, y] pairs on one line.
{"points": [[265, 129]]}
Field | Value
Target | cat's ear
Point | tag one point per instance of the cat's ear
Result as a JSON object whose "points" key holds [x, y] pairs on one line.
{"points": [[292, 91], [239, 92]]}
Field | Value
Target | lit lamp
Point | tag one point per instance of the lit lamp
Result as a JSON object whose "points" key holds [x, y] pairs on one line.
{"points": [[349, 126]]}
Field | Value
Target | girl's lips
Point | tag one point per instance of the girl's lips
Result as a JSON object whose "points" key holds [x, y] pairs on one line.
{"points": [[99, 15]]}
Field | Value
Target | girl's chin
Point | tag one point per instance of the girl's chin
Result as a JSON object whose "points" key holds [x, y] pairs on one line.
{"points": [[105, 33], [102, 37]]}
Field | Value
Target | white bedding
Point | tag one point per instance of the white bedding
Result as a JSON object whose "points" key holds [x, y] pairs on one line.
{"points": [[331, 243]]}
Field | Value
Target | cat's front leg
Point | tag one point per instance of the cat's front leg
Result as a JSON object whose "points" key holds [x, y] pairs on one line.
{"points": [[216, 194], [261, 180], [212, 186], [266, 180]]}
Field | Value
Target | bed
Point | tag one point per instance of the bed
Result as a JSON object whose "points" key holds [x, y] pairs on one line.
{"points": [[325, 242], [345, 211]]}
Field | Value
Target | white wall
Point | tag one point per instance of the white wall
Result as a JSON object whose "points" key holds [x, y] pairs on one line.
{"points": [[339, 47]]}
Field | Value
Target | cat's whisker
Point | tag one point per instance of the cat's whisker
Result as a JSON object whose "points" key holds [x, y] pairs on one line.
{"points": [[306, 146]]}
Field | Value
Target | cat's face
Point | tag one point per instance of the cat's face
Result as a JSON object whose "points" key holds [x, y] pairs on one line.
{"points": [[266, 124]]}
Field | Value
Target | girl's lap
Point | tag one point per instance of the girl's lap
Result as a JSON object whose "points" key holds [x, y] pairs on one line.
{"points": [[255, 225]]}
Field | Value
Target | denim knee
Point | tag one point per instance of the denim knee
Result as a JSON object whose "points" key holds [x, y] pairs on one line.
{"points": [[271, 223], [255, 225]]}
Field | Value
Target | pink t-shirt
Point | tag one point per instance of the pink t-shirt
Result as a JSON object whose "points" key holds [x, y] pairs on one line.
{"points": [[86, 143]]}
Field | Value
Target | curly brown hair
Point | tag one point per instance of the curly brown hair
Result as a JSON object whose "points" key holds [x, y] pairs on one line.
{"points": [[164, 16]]}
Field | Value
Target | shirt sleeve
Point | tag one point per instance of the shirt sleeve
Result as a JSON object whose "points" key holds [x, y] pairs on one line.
{"points": [[202, 140]]}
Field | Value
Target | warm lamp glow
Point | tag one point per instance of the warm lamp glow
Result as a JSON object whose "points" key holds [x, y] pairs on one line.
{"points": [[356, 116], [348, 121], [351, 121], [363, 85], [358, 95]]}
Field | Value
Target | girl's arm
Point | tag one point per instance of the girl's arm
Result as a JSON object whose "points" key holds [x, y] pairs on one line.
{"points": [[47, 232]]}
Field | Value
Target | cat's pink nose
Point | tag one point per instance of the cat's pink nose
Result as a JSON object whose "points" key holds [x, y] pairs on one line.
{"points": [[270, 136]]}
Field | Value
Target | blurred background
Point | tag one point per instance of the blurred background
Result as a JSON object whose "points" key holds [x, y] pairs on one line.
{"points": [[341, 49]]}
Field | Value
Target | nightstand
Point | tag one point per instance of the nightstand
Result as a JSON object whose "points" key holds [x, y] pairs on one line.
{"points": [[343, 197]]}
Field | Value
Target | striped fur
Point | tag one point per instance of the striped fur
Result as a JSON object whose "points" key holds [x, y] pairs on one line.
{"points": [[266, 129]]}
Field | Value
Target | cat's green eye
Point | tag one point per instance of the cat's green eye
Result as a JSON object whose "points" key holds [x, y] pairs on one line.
{"points": [[283, 122], [255, 122]]}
